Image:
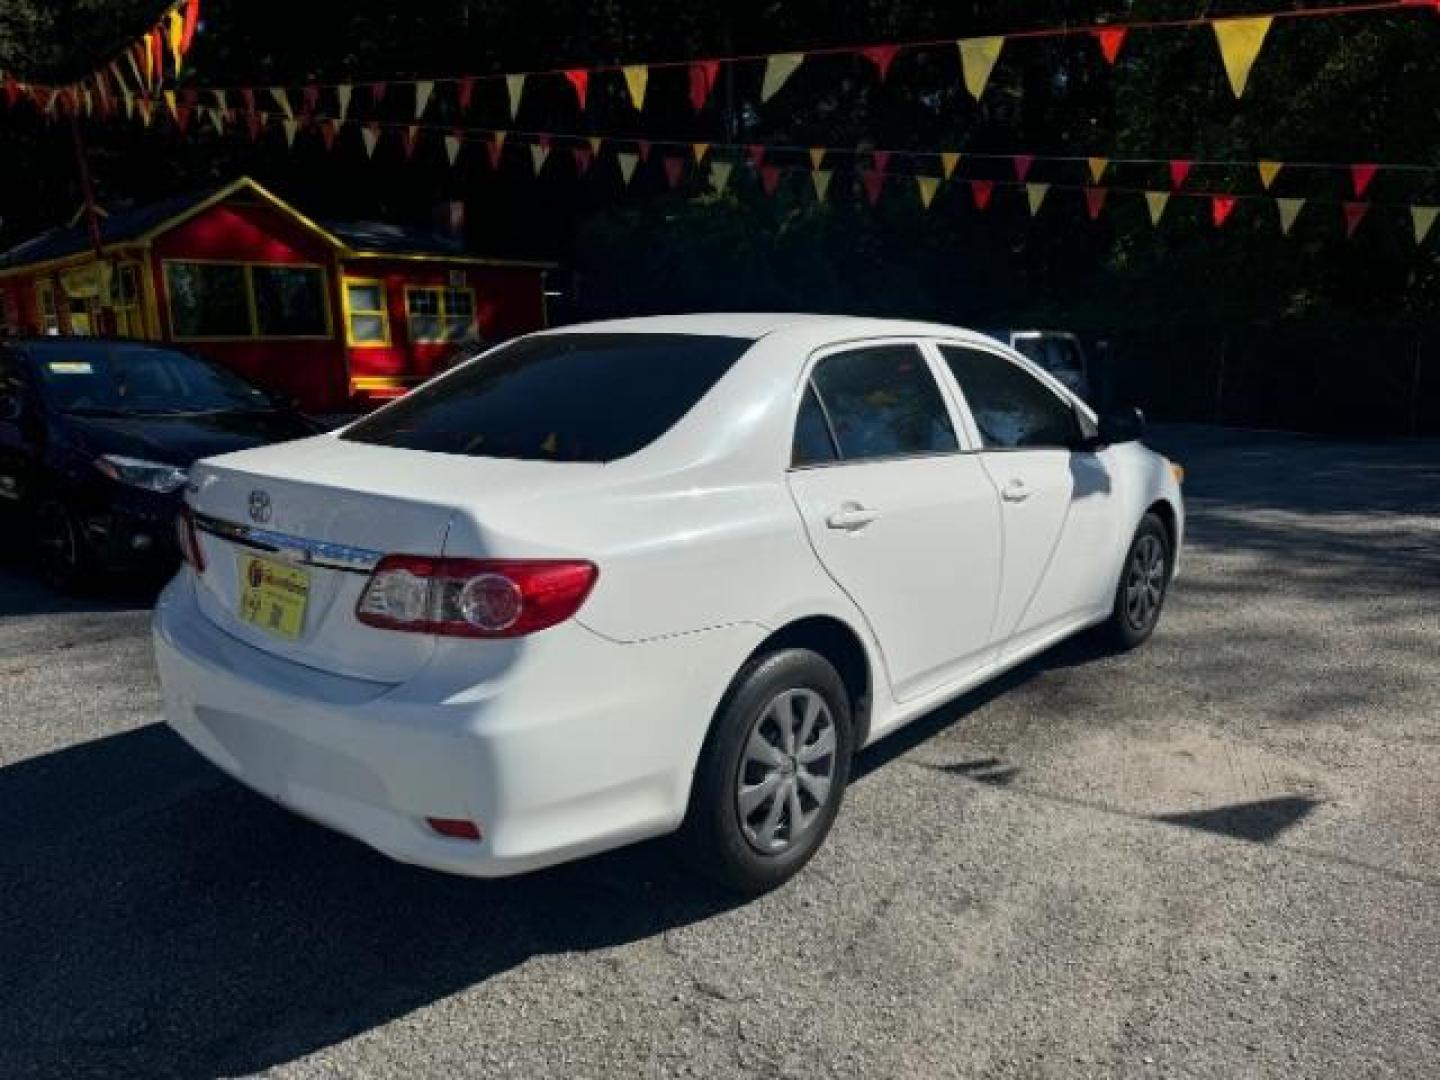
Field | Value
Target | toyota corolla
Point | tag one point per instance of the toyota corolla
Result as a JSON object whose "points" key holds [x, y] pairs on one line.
{"points": [[644, 577]]}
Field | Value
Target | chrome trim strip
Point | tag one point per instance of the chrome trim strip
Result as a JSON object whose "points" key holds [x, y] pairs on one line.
{"points": [[296, 549]]}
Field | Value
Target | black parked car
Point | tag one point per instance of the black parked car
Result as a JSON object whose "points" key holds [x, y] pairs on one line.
{"points": [[96, 437]]}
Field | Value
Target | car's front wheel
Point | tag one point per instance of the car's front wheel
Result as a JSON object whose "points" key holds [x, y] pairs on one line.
{"points": [[772, 773], [1144, 582], [60, 552]]}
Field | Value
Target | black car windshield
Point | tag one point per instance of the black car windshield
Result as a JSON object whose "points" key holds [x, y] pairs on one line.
{"points": [[563, 397], [121, 379]]}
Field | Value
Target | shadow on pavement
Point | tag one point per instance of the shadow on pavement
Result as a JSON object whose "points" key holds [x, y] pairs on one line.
{"points": [[1259, 822]]}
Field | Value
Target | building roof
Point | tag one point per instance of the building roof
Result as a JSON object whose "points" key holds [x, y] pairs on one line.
{"points": [[140, 224]]}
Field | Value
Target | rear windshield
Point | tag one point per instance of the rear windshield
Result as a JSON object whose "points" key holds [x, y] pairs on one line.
{"points": [[566, 397]]}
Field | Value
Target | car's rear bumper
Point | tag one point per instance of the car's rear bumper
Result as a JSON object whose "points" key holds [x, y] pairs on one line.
{"points": [[582, 744]]}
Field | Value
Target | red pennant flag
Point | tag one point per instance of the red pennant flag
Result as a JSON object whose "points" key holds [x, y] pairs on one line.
{"points": [[189, 96], [702, 82], [874, 183], [757, 154], [328, 130], [580, 80], [980, 191], [882, 160], [674, 170], [1022, 165], [311, 99], [377, 93], [182, 118], [465, 91], [408, 139], [1179, 170], [770, 178], [192, 23], [1220, 208], [1095, 201], [156, 45], [1110, 39], [255, 124], [1361, 175], [12, 91], [582, 157], [642, 147], [882, 56], [495, 147], [1354, 214], [247, 95]]}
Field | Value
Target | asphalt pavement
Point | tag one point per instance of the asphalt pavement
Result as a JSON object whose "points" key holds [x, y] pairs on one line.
{"points": [[1218, 856]]}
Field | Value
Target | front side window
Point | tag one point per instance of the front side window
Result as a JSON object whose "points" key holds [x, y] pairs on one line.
{"points": [[440, 314], [883, 402], [238, 300], [558, 397], [1013, 409]]}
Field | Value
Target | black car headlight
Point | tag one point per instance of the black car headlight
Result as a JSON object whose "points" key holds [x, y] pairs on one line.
{"points": [[154, 476]]}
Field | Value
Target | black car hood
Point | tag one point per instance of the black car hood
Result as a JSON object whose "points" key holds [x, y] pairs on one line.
{"points": [[182, 440]]}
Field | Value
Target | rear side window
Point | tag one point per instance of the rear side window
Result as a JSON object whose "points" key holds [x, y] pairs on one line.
{"points": [[1013, 409], [883, 402], [566, 397], [813, 444]]}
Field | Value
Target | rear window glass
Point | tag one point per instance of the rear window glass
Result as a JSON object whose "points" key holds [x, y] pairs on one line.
{"points": [[566, 397]]}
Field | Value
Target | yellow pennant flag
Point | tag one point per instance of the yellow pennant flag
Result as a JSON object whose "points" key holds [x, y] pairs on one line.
{"points": [[171, 104], [135, 67], [817, 156], [821, 179], [1269, 170], [700, 149], [927, 186], [371, 135], [977, 60], [595, 143], [283, 100], [291, 127], [1289, 211], [538, 154], [1035, 195], [217, 118], [628, 162], [423, 89], [87, 103], [145, 111], [1098, 165], [778, 69], [452, 147], [637, 78], [515, 84], [175, 34], [1157, 201], [129, 102], [342, 98], [1423, 218], [948, 161], [1240, 41], [720, 175]]}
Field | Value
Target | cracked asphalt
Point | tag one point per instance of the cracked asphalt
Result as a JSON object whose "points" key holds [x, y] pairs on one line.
{"points": [[1218, 856]]}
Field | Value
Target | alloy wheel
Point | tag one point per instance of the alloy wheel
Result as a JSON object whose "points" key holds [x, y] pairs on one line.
{"points": [[1145, 582], [787, 772]]}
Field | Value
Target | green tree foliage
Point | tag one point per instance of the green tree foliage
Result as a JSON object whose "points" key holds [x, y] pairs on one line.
{"points": [[1354, 89]]}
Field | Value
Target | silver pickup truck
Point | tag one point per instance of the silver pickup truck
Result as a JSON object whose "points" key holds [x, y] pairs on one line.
{"points": [[1057, 351]]}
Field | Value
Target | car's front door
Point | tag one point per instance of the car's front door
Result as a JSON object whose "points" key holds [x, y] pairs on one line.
{"points": [[1056, 500], [905, 522]]}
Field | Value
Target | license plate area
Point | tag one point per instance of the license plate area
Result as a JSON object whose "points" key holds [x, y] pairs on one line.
{"points": [[273, 596]]}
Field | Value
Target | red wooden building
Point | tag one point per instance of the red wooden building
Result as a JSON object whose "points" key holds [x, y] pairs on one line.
{"points": [[335, 314]]}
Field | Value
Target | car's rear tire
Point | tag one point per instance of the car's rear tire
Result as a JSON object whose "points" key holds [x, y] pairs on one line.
{"points": [[772, 772], [1144, 585], [60, 552]]}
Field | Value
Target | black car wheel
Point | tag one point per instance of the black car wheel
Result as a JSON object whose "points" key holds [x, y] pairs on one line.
{"points": [[60, 552], [1144, 581]]}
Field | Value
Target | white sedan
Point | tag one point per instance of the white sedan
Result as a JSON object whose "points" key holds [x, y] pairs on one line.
{"points": [[631, 578]]}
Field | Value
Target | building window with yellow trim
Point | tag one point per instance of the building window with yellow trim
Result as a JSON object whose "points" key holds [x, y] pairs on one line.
{"points": [[45, 305], [439, 314], [244, 300], [128, 320], [367, 318]]}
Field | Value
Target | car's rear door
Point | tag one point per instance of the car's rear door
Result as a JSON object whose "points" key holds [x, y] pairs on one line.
{"points": [[903, 519], [1056, 499]]}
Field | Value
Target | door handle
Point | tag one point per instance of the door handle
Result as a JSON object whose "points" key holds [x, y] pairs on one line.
{"points": [[1016, 490], [851, 516]]}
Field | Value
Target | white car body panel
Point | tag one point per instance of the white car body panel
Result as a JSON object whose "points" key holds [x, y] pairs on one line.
{"points": [[586, 736]]}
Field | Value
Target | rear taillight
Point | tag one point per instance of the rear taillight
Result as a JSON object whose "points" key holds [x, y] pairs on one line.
{"points": [[188, 539], [489, 598]]}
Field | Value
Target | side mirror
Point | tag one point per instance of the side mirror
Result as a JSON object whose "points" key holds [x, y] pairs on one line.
{"points": [[1126, 425]]}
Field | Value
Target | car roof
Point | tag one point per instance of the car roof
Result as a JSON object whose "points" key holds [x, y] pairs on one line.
{"points": [[756, 325]]}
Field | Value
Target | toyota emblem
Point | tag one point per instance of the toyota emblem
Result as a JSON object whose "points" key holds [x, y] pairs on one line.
{"points": [[260, 506]]}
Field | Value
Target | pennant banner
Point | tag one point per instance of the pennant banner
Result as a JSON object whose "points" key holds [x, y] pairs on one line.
{"points": [[1240, 41], [1156, 201], [778, 70], [977, 60], [1423, 219], [1035, 196], [927, 186], [1289, 211]]}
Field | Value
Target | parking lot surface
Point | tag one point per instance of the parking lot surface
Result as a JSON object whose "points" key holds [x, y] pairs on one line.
{"points": [[1218, 856]]}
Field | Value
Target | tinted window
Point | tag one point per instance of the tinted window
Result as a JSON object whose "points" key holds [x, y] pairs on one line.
{"points": [[1011, 407], [813, 444], [110, 379], [207, 300], [289, 301], [883, 402], [567, 397]]}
